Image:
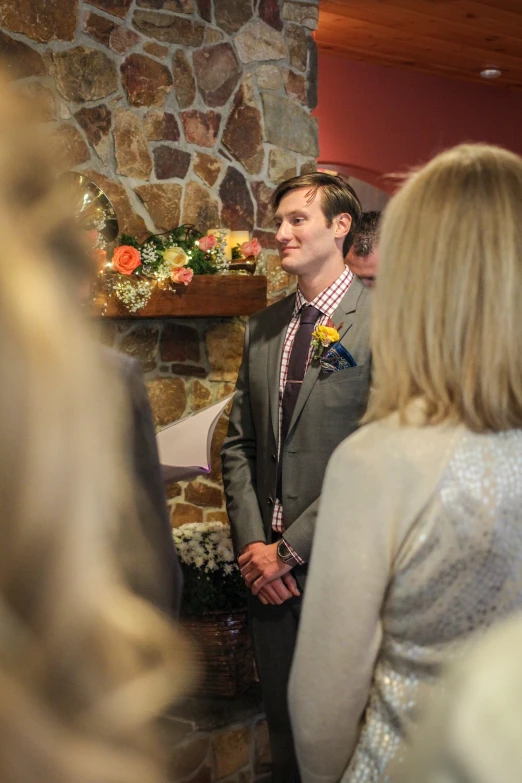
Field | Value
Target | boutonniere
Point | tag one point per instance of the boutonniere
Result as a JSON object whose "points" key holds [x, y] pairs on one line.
{"points": [[323, 337]]}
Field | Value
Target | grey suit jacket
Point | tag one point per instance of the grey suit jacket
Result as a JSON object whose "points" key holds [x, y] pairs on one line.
{"points": [[328, 409], [148, 558]]}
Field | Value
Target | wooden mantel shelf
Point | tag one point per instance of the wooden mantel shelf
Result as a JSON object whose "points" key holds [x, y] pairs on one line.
{"points": [[206, 296]]}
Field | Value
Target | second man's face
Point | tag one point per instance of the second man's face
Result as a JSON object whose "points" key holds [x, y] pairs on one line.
{"points": [[365, 267], [304, 240]]}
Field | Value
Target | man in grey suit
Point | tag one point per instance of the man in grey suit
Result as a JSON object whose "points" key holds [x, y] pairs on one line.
{"points": [[290, 412]]}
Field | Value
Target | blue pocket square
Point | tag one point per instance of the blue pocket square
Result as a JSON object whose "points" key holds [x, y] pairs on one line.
{"points": [[337, 358]]}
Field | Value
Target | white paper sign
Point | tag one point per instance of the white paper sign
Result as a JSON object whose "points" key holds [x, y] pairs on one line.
{"points": [[184, 446]]}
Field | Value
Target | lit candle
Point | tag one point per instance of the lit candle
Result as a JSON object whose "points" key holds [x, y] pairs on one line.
{"points": [[237, 238]]}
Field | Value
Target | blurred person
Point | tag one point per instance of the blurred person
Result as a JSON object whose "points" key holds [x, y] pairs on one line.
{"points": [[151, 564], [85, 665], [363, 256], [473, 729], [418, 544], [288, 416]]}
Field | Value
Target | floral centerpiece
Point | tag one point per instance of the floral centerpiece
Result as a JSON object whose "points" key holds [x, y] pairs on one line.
{"points": [[168, 260], [212, 581]]}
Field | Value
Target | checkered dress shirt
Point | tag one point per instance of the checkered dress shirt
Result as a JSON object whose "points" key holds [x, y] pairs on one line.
{"points": [[327, 302]]}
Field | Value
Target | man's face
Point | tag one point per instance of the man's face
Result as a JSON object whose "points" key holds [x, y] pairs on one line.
{"points": [[304, 240], [365, 267]]}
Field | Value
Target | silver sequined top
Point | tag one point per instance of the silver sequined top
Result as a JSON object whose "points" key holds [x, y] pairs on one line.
{"points": [[418, 547]]}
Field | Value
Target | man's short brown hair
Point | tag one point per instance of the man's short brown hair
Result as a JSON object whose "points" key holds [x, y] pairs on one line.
{"points": [[336, 195]]}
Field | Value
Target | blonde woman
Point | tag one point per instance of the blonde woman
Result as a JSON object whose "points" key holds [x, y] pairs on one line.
{"points": [[85, 666], [418, 545]]}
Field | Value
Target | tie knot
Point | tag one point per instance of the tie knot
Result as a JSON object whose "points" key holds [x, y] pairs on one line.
{"points": [[309, 314]]}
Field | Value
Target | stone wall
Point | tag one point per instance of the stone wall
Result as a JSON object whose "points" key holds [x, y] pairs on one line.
{"points": [[183, 111]]}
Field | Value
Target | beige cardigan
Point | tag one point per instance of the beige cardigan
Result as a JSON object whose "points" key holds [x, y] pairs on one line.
{"points": [[418, 546]]}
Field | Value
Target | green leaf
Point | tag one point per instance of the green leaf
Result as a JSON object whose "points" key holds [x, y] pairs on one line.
{"points": [[126, 239]]}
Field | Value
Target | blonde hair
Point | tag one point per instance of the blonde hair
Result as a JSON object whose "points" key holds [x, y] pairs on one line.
{"points": [[447, 326], [85, 666]]}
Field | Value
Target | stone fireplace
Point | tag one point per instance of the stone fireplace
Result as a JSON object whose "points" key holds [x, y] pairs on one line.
{"points": [[182, 111]]}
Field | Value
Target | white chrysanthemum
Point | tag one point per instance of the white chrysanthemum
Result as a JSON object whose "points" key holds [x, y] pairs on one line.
{"points": [[206, 545]]}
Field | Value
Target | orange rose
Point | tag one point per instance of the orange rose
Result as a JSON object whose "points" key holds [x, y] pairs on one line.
{"points": [[182, 275], [126, 259]]}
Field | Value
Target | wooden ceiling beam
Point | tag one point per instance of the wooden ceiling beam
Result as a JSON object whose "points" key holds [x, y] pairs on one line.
{"points": [[456, 38], [469, 15], [374, 13], [391, 42]]}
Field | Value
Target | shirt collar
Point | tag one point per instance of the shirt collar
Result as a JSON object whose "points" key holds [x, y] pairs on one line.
{"points": [[328, 300]]}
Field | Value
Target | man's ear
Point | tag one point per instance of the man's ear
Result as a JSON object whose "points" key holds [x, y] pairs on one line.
{"points": [[343, 223]]}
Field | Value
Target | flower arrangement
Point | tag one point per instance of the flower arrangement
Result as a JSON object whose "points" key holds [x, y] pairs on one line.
{"points": [[171, 259], [212, 581]]}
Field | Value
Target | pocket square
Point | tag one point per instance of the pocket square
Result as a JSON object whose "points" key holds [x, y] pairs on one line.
{"points": [[337, 358]]}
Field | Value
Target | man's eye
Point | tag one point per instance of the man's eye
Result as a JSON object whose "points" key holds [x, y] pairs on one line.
{"points": [[298, 220]]}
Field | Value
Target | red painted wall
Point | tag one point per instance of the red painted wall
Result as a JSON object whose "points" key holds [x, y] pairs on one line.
{"points": [[375, 120]]}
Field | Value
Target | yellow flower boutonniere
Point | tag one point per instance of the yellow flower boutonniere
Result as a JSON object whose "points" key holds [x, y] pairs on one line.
{"points": [[323, 337]]}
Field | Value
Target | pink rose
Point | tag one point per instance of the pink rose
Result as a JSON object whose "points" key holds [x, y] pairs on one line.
{"points": [[207, 243], [252, 248], [126, 259], [182, 275]]}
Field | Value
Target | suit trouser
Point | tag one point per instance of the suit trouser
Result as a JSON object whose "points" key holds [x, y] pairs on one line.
{"points": [[274, 630]]}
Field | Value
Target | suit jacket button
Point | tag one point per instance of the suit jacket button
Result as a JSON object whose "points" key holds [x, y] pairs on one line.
{"points": [[274, 457], [270, 501]]}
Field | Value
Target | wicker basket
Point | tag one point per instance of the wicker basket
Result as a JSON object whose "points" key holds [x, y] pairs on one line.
{"points": [[226, 650]]}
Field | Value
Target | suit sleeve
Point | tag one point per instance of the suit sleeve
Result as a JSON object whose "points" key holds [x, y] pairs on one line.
{"points": [[239, 456], [165, 586], [300, 535]]}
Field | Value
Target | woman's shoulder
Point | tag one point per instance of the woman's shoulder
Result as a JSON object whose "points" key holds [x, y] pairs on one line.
{"points": [[390, 437], [386, 473], [397, 459]]}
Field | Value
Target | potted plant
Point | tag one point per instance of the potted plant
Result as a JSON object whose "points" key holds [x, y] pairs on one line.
{"points": [[214, 607]]}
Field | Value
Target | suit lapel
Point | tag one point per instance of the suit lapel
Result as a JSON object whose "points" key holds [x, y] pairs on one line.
{"points": [[275, 350], [345, 312]]}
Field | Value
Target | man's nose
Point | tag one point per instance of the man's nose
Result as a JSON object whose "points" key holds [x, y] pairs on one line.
{"points": [[282, 234]]}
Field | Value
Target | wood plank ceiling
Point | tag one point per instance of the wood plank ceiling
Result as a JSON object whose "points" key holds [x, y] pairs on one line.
{"points": [[453, 38]]}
